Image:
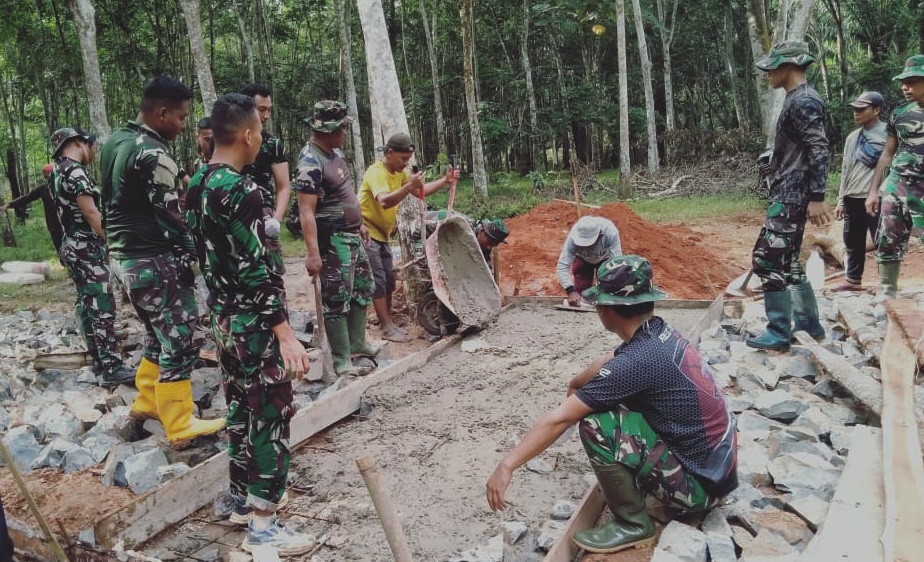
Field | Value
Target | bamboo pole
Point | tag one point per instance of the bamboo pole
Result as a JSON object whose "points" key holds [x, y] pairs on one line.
{"points": [[385, 509]]}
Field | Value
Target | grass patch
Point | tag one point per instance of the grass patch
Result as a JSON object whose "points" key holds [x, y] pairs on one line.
{"points": [[33, 243], [698, 207]]}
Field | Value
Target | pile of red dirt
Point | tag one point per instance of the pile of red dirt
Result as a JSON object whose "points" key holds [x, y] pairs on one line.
{"points": [[683, 265]]}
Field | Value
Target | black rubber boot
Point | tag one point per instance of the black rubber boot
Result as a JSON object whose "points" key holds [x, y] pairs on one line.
{"points": [[805, 311], [778, 305], [630, 525]]}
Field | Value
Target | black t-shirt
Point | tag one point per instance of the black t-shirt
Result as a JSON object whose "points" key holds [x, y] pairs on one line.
{"points": [[659, 374]]}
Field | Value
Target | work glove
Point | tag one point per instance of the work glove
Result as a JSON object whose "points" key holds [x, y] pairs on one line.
{"points": [[271, 227]]}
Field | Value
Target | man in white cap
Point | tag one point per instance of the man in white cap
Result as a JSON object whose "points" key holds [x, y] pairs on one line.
{"points": [[592, 241], [861, 154]]}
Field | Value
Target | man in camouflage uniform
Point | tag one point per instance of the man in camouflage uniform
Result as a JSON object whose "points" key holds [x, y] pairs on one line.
{"points": [[270, 171], [257, 349], [650, 416], [902, 192], [799, 172], [332, 226], [83, 252], [153, 255]]}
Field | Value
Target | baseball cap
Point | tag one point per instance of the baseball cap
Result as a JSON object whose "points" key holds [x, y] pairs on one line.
{"points": [[329, 115], [914, 67], [399, 142], [624, 280], [792, 52], [868, 98], [586, 230], [61, 137]]}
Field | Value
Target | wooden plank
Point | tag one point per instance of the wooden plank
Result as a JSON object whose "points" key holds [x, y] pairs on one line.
{"points": [[712, 315], [585, 516], [864, 388], [556, 300], [869, 337], [909, 320], [903, 467], [182, 496], [851, 530]]}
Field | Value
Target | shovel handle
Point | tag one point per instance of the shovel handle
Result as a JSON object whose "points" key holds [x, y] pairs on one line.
{"points": [[452, 183]]}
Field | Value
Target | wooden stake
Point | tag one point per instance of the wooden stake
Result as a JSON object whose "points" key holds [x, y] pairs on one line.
{"points": [[46, 530], [385, 509], [328, 374]]}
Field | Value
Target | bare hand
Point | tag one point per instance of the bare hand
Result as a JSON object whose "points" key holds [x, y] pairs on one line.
{"points": [[839, 213], [313, 263], [452, 174], [497, 485], [294, 357], [818, 213], [364, 234], [575, 298], [872, 204]]}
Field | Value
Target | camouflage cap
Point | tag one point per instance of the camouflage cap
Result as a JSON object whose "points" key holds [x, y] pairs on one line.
{"points": [[791, 52], [914, 67], [496, 231], [624, 280], [328, 116], [61, 137]]}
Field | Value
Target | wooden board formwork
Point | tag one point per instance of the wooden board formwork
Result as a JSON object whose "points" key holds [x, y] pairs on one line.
{"points": [[552, 301], [591, 507], [903, 466]]}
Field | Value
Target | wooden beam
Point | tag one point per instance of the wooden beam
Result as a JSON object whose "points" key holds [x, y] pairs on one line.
{"points": [[903, 466], [557, 300], [864, 388], [182, 496], [712, 315], [909, 320], [869, 338], [585, 516], [851, 530]]}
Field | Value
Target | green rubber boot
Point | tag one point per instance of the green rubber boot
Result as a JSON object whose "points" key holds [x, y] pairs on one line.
{"points": [[778, 305], [888, 277], [356, 325], [805, 311], [339, 338], [630, 525]]}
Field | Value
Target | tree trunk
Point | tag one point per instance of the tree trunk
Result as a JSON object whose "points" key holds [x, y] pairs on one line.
{"points": [[537, 154], [653, 159], [199, 56], [84, 18], [346, 65], [667, 39], [265, 44], [733, 70], [834, 10], [625, 163], [429, 34], [468, 59], [246, 44]]}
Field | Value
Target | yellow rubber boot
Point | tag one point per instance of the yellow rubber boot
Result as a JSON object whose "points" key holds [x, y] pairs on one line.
{"points": [[175, 407], [145, 404]]}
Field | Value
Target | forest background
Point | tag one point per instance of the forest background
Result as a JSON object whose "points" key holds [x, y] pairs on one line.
{"points": [[651, 84]]}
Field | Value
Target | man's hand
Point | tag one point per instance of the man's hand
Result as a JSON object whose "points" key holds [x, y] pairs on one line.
{"points": [[818, 213], [872, 204], [497, 485], [452, 173], [575, 298], [313, 263], [294, 357], [364, 234], [839, 213]]}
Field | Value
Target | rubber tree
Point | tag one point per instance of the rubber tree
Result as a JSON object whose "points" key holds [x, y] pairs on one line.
{"points": [[84, 19], [429, 30], [479, 174], [625, 162], [346, 70], [199, 56], [537, 153], [652, 126]]}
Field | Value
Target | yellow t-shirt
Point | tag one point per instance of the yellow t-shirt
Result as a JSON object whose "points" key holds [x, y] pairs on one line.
{"points": [[378, 180]]}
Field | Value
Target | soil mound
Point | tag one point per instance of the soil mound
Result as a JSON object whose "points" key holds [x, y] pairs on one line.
{"points": [[683, 265]]}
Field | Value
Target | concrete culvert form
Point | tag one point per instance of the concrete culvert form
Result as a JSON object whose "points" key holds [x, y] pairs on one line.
{"points": [[461, 278]]}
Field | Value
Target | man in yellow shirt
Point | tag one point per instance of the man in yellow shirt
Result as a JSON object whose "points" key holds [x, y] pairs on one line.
{"points": [[385, 184]]}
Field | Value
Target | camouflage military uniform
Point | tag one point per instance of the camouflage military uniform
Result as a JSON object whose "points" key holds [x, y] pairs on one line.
{"points": [[246, 298], [800, 171], [345, 275], [83, 253], [902, 192], [261, 172], [150, 248]]}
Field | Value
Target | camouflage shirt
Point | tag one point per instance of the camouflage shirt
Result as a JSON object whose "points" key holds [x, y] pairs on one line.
{"points": [[907, 126], [800, 151], [261, 171], [328, 176], [70, 180], [226, 218], [141, 212]]}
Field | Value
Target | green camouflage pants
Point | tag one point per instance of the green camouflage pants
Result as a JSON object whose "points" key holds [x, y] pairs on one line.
{"points": [[345, 275], [775, 258], [260, 406], [625, 437], [902, 212], [167, 308], [88, 267]]}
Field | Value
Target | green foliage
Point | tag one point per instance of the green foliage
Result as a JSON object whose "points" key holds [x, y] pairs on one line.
{"points": [[680, 210], [32, 239]]}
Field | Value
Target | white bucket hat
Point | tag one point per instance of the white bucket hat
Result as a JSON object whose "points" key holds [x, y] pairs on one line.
{"points": [[586, 231]]}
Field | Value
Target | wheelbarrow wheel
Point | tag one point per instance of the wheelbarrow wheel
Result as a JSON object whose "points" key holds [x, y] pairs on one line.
{"points": [[434, 317]]}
